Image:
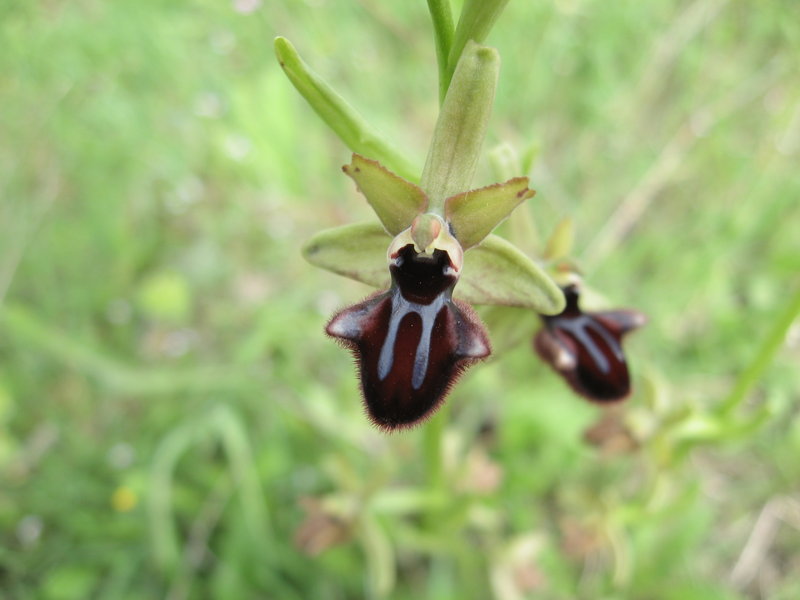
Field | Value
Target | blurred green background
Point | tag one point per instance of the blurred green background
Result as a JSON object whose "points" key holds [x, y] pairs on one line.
{"points": [[173, 422]]}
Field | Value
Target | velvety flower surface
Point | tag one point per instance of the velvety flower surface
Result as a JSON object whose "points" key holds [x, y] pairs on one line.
{"points": [[586, 348], [413, 341]]}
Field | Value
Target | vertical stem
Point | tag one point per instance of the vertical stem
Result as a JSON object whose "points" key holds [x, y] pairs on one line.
{"points": [[432, 449], [442, 18], [476, 21], [433, 456], [764, 355]]}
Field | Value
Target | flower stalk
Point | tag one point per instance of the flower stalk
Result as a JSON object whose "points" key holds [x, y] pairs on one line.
{"points": [[443, 30]]}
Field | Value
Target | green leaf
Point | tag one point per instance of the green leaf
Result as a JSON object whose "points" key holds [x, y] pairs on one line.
{"points": [[496, 272], [474, 214], [764, 354], [461, 126], [340, 116], [561, 241], [356, 251], [395, 200]]}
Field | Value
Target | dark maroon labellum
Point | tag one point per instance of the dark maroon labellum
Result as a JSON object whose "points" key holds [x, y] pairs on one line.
{"points": [[412, 341], [586, 348]]}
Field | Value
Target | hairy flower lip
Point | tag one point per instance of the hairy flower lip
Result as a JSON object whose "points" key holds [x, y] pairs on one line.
{"points": [[585, 348], [412, 341]]}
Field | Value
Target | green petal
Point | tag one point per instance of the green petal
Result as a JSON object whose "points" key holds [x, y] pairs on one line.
{"points": [[474, 214], [356, 251], [496, 272], [395, 200]]}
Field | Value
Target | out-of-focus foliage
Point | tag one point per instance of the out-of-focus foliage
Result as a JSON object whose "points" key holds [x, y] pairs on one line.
{"points": [[173, 423]]}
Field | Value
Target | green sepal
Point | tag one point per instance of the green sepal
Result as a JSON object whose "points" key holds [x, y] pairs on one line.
{"points": [[561, 240], [461, 127], [395, 200], [339, 115], [357, 251], [497, 272], [474, 214]]}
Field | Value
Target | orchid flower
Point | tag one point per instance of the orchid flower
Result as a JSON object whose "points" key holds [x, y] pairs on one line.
{"points": [[415, 337], [585, 348]]}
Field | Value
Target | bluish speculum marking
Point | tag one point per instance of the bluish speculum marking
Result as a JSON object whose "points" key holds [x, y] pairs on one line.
{"points": [[579, 327], [586, 348], [421, 285], [428, 313], [413, 340]]}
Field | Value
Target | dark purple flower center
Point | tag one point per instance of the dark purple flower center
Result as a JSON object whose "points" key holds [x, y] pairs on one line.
{"points": [[421, 278]]}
